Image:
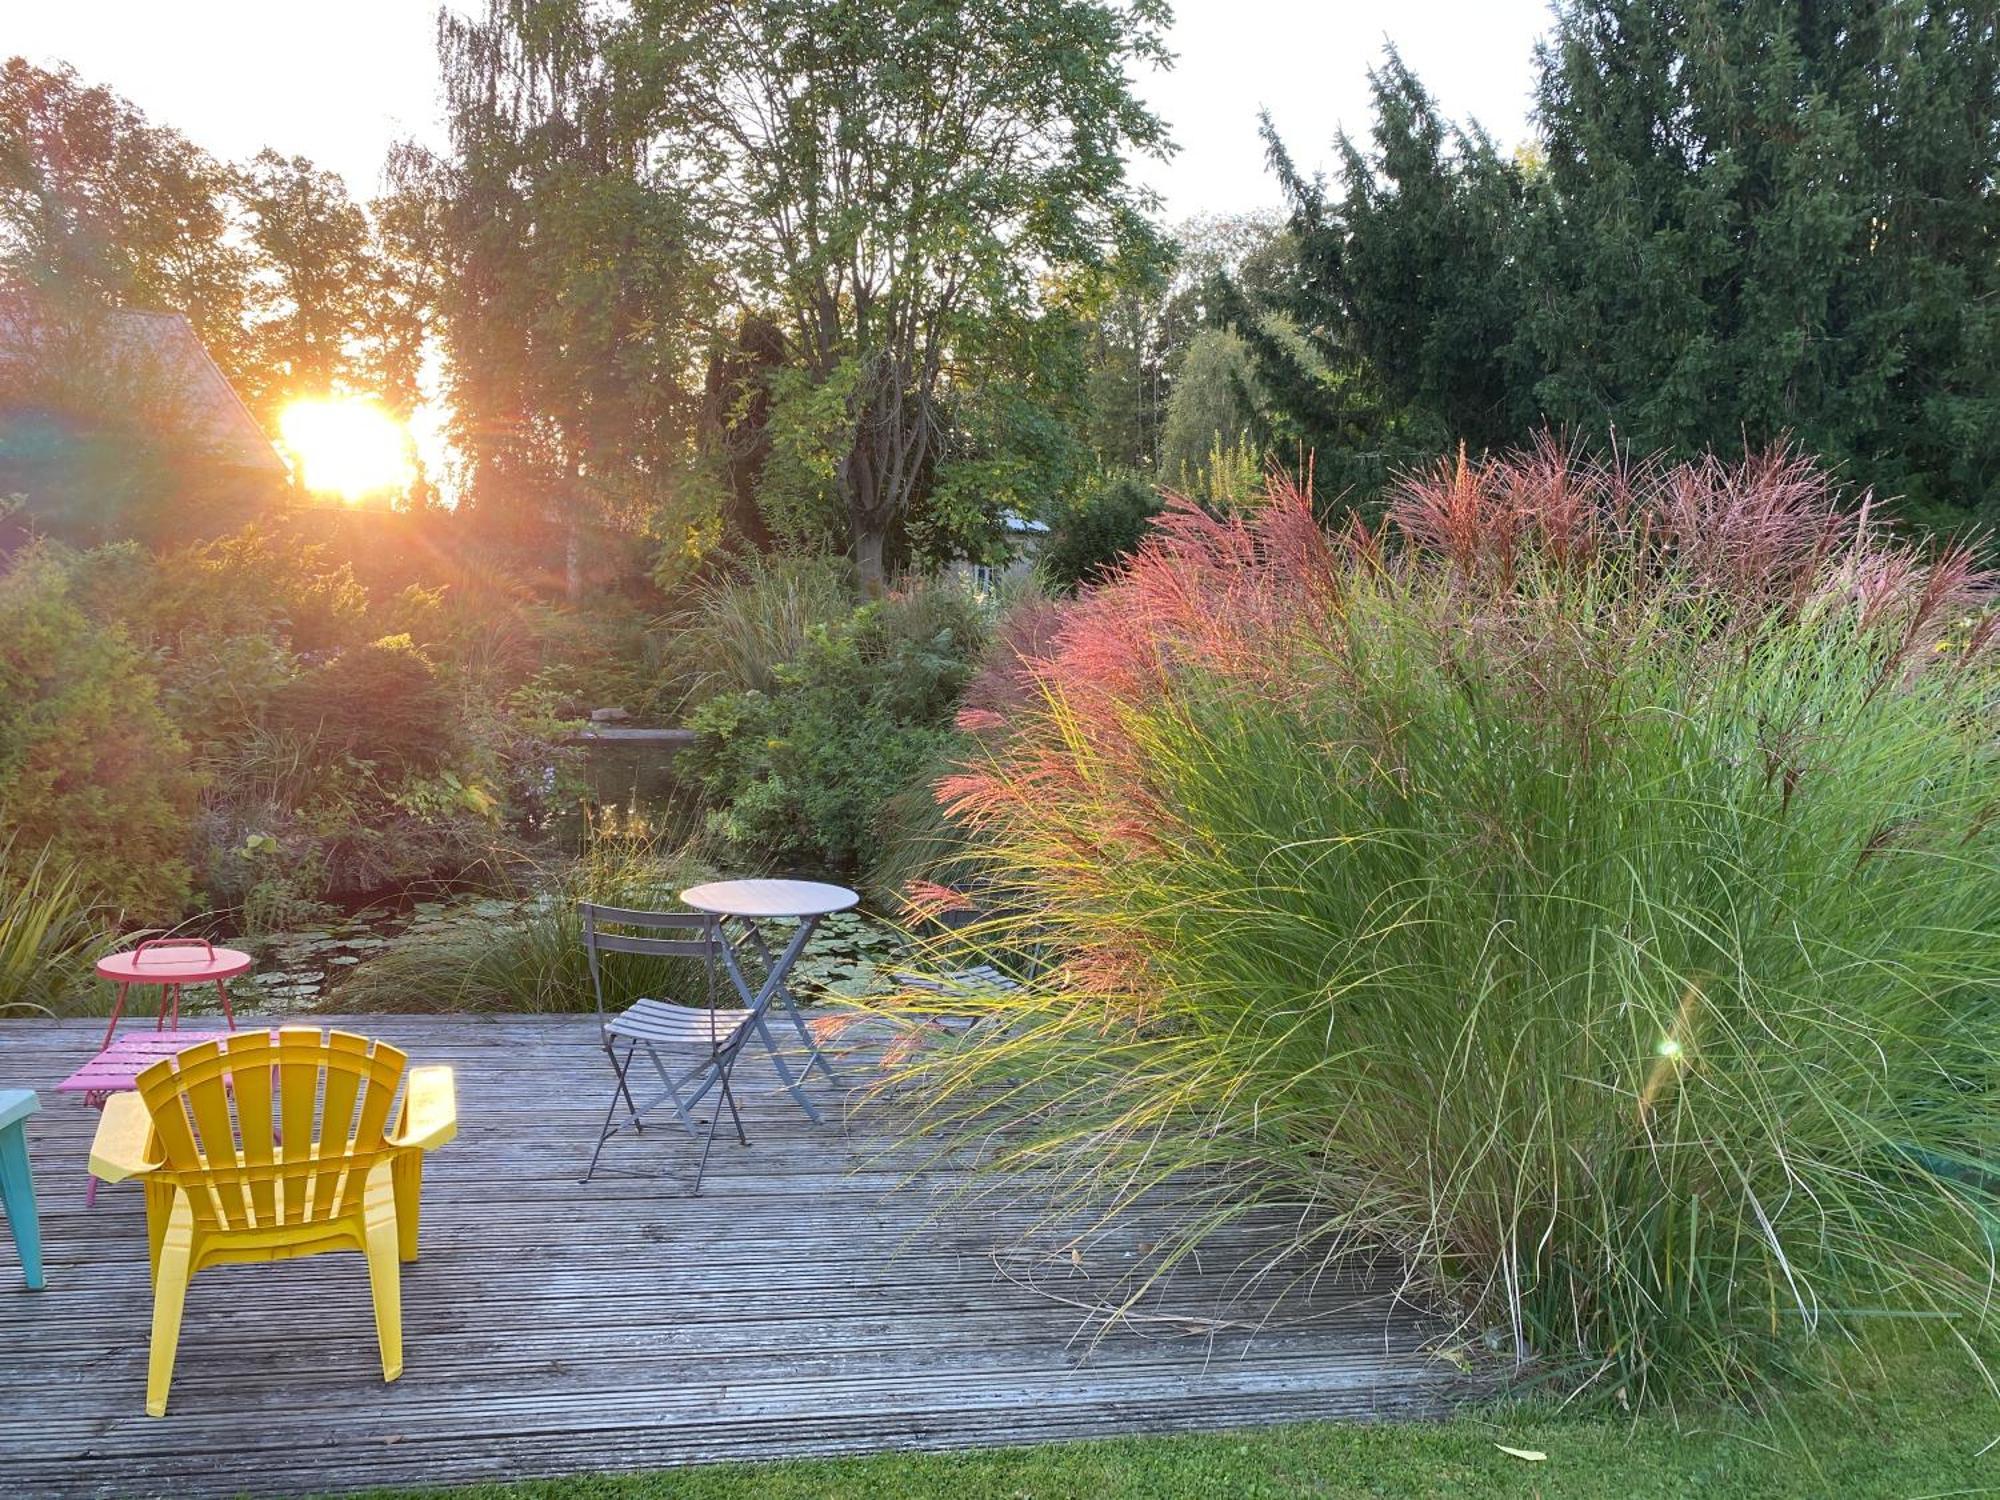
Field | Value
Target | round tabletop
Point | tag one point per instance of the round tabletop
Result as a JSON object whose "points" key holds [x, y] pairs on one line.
{"points": [[769, 898], [173, 963]]}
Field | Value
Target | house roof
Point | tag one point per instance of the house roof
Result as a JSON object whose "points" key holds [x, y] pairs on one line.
{"points": [[163, 350], [168, 345]]}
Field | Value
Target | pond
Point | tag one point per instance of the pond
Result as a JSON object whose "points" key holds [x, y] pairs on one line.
{"points": [[629, 783]]}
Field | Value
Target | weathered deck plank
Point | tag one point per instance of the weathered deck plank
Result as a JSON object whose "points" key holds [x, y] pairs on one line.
{"points": [[816, 1299]]}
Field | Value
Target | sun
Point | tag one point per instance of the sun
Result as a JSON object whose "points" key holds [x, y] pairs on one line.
{"points": [[347, 446]]}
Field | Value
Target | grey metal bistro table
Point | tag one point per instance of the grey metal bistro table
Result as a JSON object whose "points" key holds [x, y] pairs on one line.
{"points": [[751, 904]]}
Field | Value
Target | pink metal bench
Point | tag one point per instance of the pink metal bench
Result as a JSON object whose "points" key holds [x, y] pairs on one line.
{"points": [[113, 1069]]}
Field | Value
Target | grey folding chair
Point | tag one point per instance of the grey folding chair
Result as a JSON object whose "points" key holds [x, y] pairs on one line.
{"points": [[649, 1025]]}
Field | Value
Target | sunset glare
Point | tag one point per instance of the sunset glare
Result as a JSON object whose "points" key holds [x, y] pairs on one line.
{"points": [[347, 446]]}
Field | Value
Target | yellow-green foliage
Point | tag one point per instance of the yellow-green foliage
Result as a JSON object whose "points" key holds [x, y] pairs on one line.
{"points": [[48, 934]]}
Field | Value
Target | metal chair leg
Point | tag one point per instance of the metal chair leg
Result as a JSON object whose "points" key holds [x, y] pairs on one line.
{"points": [[681, 1106], [611, 1109], [701, 1167], [708, 1136], [625, 1087], [729, 1098]]}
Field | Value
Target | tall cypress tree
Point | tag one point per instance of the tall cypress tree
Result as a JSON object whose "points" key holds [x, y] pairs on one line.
{"points": [[1319, 398], [1393, 338], [1765, 217], [1744, 219], [1429, 279]]}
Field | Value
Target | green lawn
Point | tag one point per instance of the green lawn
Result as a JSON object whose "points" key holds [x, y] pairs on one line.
{"points": [[1917, 1430]]}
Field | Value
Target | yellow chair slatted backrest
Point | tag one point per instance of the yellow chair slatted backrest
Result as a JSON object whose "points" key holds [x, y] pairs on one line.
{"points": [[263, 1132]]}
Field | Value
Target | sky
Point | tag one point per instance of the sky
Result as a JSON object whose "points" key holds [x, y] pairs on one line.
{"points": [[338, 83], [1307, 61]]}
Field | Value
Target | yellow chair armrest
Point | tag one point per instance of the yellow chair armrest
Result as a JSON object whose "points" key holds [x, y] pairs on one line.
{"points": [[124, 1144], [430, 1110]]}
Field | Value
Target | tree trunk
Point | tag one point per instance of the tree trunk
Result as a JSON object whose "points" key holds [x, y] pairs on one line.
{"points": [[868, 541], [867, 516]]}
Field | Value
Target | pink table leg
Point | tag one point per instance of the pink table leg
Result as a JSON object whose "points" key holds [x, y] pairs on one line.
{"points": [[117, 1010], [222, 989]]}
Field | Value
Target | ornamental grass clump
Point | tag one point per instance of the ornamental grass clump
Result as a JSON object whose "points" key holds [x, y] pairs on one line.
{"points": [[1586, 885]]}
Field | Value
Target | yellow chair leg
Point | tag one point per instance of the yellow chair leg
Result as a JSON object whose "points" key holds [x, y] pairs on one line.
{"points": [[409, 1172], [170, 1284], [385, 1278], [159, 1208]]}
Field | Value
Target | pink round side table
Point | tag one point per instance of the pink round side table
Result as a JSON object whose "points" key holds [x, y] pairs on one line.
{"points": [[172, 964]]}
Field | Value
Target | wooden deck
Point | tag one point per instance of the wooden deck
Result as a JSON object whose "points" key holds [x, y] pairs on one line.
{"points": [[805, 1304]]}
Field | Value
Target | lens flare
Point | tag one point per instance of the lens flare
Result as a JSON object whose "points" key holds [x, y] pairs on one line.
{"points": [[347, 446]]}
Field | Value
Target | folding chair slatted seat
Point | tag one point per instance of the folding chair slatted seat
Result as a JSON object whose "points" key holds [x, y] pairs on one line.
{"points": [[664, 1022], [649, 1025]]}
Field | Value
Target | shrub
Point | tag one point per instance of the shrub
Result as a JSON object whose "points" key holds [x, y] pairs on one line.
{"points": [[223, 623], [368, 773], [921, 845], [1103, 527], [91, 769], [802, 771], [380, 703], [325, 765], [258, 580], [582, 661], [1583, 886]]}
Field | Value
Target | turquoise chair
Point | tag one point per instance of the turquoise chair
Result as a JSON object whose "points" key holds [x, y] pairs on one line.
{"points": [[17, 1187]]}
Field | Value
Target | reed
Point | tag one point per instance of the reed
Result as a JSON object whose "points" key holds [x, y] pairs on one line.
{"points": [[49, 935], [1584, 886]]}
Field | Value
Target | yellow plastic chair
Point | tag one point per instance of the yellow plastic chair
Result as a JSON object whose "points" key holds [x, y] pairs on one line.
{"points": [[268, 1145]]}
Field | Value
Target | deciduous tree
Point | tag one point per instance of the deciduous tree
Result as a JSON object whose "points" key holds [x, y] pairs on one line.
{"points": [[98, 206], [898, 180], [574, 285], [329, 308]]}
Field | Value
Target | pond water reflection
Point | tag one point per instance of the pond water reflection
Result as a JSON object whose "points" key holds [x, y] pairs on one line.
{"points": [[628, 784]]}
